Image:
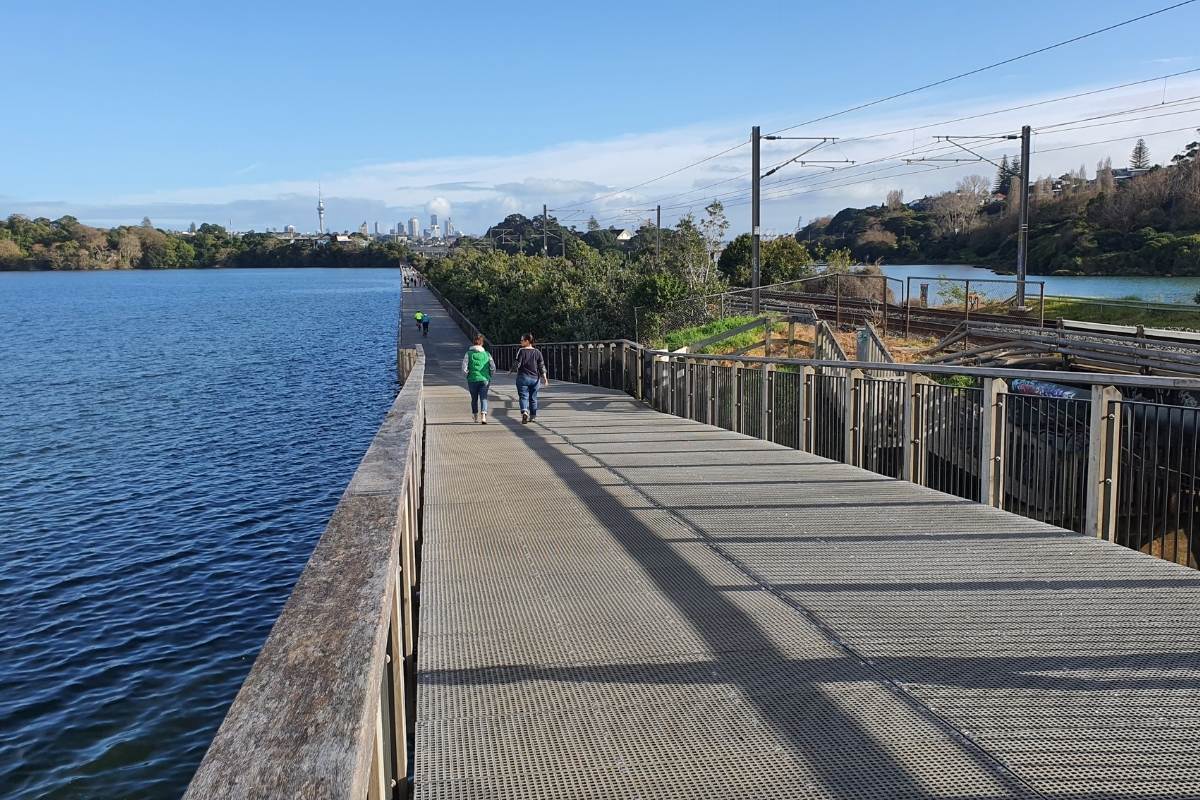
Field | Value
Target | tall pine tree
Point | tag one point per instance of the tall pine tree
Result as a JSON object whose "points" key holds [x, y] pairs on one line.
{"points": [[1140, 157], [1003, 177]]}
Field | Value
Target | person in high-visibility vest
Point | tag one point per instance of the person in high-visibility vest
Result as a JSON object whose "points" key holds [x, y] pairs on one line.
{"points": [[422, 322]]}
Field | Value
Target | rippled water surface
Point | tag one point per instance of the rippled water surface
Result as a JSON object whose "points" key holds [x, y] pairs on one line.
{"points": [[171, 446]]}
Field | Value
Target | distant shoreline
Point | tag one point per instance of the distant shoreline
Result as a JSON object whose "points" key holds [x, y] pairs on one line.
{"points": [[187, 269]]}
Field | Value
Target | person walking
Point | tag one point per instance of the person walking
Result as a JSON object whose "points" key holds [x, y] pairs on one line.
{"points": [[422, 322], [478, 366], [531, 375]]}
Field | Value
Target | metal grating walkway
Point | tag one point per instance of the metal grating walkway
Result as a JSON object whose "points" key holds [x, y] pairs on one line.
{"points": [[621, 604]]}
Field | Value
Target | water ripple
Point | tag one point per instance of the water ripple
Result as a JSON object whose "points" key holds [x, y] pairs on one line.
{"points": [[171, 446]]}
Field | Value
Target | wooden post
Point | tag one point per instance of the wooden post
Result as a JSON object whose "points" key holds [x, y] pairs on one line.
{"points": [[1104, 448], [838, 282], [791, 346], [991, 444], [850, 417], [883, 280], [767, 337]]}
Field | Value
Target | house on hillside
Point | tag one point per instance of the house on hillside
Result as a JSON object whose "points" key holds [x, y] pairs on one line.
{"points": [[622, 234]]}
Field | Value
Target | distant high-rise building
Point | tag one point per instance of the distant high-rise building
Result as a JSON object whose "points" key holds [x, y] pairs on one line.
{"points": [[290, 229], [192, 228], [376, 227], [414, 228], [449, 227], [435, 231], [320, 211], [432, 220], [400, 229], [363, 228]]}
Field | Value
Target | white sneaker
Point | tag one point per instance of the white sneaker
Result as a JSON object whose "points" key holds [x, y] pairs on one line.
{"points": [[483, 418], [524, 417], [475, 418]]}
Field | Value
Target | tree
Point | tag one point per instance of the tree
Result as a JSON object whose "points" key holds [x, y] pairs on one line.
{"points": [[895, 199], [592, 224], [1003, 177], [146, 223], [784, 259], [1140, 157], [734, 263], [713, 227], [1104, 176], [957, 212]]}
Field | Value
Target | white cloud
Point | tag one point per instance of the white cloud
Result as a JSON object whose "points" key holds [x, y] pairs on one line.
{"points": [[590, 175]]}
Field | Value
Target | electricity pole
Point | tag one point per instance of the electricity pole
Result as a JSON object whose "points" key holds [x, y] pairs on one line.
{"points": [[1023, 227], [658, 236], [755, 186], [545, 227], [756, 176], [1022, 176]]}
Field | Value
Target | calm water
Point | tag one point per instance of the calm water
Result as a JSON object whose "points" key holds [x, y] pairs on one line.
{"points": [[1158, 290], [171, 446]]}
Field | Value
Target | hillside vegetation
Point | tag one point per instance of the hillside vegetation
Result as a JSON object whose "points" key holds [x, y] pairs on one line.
{"points": [[1148, 224]]}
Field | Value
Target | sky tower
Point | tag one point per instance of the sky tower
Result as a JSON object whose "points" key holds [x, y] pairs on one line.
{"points": [[320, 211]]}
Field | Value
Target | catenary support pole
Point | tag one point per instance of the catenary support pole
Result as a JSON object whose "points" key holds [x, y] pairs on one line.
{"points": [[755, 186], [1023, 226]]}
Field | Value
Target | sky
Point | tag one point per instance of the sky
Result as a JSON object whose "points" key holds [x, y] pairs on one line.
{"points": [[234, 113]]}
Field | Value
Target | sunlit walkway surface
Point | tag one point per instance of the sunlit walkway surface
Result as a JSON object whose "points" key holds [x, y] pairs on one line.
{"points": [[617, 603]]}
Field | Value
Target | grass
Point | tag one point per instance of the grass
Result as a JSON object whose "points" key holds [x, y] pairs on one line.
{"points": [[1122, 312], [685, 336]]}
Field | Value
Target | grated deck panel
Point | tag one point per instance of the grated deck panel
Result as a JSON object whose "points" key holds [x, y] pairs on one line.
{"points": [[616, 603]]}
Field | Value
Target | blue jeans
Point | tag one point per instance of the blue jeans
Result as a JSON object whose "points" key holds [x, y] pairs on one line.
{"points": [[479, 390], [527, 392]]}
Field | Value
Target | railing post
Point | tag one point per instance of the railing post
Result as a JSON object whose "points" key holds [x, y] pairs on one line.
{"points": [[1104, 448], [689, 387], [712, 395], [738, 406], [991, 444], [851, 417], [914, 454], [804, 403], [640, 382], [768, 395], [672, 399]]}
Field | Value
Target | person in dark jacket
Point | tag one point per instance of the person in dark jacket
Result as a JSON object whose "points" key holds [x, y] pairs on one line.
{"points": [[531, 375]]}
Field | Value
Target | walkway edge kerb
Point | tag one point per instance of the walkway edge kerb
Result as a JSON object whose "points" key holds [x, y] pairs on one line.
{"points": [[302, 725]]}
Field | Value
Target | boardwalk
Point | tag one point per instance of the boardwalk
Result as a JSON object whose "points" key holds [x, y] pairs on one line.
{"points": [[616, 603]]}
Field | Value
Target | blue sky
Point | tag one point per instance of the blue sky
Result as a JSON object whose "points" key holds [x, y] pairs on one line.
{"points": [[224, 111]]}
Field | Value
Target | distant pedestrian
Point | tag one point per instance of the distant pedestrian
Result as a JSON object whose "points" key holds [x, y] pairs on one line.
{"points": [[422, 322], [531, 375], [478, 366]]}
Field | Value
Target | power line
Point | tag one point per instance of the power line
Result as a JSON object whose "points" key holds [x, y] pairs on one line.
{"points": [[906, 93], [981, 115], [1002, 63]]}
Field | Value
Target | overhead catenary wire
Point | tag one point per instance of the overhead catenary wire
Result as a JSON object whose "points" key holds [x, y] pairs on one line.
{"points": [[986, 67], [898, 95], [914, 129]]}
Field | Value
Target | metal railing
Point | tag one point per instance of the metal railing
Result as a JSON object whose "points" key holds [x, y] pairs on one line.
{"points": [[1082, 458], [327, 708]]}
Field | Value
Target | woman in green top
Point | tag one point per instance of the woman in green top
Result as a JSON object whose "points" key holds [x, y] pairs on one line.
{"points": [[479, 368]]}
